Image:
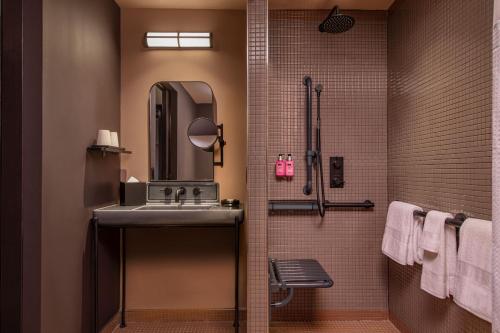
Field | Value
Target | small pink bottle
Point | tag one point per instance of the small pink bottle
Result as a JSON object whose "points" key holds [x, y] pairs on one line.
{"points": [[290, 167], [280, 167]]}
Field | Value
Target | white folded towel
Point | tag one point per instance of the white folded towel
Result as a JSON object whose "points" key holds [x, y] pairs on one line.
{"points": [[473, 289], [440, 254], [399, 229]]}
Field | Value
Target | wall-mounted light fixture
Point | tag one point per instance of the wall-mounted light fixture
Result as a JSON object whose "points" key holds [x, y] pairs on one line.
{"points": [[178, 40]]}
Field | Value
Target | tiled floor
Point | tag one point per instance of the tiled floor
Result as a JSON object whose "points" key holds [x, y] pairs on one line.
{"points": [[362, 326], [177, 327]]}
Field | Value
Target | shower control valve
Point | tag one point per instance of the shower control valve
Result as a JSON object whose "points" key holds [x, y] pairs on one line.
{"points": [[337, 172]]}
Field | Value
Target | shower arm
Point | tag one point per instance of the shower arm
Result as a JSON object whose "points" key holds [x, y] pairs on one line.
{"points": [[335, 10]]}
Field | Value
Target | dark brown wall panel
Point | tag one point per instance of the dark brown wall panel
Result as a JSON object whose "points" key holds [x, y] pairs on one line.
{"points": [[439, 133], [352, 67], [81, 95], [20, 170]]}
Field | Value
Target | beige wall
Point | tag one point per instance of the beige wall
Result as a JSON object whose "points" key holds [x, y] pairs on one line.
{"points": [[81, 94], [174, 269]]}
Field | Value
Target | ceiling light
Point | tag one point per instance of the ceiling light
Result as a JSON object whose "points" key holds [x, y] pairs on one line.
{"points": [[177, 40]]}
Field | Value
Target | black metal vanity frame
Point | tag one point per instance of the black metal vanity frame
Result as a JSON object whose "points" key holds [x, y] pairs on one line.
{"points": [[123, 227]]}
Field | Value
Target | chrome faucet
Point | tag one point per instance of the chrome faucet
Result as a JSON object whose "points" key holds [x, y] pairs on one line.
{"points": [[180, 191]]}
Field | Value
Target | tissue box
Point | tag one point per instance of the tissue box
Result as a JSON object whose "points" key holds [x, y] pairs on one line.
{"points": [[133, 194]]}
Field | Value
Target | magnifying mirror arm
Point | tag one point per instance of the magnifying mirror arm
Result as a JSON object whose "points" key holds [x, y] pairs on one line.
{"points": [[222, 143]]}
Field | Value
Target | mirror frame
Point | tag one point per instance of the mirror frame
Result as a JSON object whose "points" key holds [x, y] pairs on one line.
{"points": [[149, 135]]}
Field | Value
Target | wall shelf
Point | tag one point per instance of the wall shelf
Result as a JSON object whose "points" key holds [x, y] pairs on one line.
{"points": [[107, 150]]}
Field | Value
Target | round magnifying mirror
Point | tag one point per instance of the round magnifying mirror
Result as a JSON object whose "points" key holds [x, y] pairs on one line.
{"points": [[203, 133]]}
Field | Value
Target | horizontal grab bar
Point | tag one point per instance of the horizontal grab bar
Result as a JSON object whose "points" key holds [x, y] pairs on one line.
{"points": [[312, 205], [365, 204]]}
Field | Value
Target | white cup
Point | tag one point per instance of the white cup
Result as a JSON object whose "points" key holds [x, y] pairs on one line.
{"points": [[114, 139], [104, 138]]}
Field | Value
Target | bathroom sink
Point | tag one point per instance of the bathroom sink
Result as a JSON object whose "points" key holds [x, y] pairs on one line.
{"points": [[177, 207], [168, 214]]}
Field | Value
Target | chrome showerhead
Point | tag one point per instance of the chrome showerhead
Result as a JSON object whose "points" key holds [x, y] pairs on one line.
{"points": [[336, 22]]}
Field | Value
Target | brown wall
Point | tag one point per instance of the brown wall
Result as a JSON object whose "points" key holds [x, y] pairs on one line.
{"points": [[352, 67], [81, 94], [165, 267], [496, 170], [439, 116]]}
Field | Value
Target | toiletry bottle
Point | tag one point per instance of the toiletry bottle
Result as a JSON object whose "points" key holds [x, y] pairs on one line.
{"points": [[290, 166], [280, 167]]}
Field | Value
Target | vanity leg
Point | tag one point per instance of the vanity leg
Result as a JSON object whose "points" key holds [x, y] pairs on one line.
{"points": [[237, 275], [123, 257], [96, 275]]}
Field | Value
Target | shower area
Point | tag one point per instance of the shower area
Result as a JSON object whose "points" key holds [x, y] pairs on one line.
{"points": [[406, 106], [351, 68]]}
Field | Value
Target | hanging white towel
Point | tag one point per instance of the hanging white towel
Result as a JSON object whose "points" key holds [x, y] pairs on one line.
{"points": [[399, 229], [473, 290], [418, 251], [440, 253], [451, 257]]}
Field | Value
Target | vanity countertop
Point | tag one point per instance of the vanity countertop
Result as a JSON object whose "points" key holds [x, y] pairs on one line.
{"points": [[155, 215]]}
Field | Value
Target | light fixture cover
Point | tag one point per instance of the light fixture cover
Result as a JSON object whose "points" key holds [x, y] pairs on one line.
{"points": [[178, 40]]}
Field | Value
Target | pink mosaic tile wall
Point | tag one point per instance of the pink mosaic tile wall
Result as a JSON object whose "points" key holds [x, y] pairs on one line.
{"points": [[496, 177], [352, 67], [257, 276]]}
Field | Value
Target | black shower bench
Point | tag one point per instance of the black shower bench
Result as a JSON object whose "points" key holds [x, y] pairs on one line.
{"points": [[293, 274]]}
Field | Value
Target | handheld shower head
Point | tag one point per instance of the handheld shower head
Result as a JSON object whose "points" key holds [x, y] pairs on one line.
{"points": [[337, 22]]}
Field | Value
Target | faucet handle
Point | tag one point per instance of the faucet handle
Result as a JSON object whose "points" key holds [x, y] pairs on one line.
{"points": [[167, 191], [197, 191]]}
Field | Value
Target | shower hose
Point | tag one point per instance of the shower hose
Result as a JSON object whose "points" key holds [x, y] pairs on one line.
{"points": [[320, 181]]}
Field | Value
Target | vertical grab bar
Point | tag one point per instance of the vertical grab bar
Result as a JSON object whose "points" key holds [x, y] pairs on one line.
{"points": [[309, 152]]}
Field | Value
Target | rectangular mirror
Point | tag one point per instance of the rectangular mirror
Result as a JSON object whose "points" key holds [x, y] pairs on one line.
{"points": [[173, 106]]}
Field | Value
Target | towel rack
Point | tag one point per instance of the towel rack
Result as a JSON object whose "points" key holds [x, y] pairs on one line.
{"points": [[457, 221]]}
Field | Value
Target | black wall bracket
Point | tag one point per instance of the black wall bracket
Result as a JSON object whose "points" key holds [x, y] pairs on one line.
{"points": [[222, 143], [337, 172]]}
